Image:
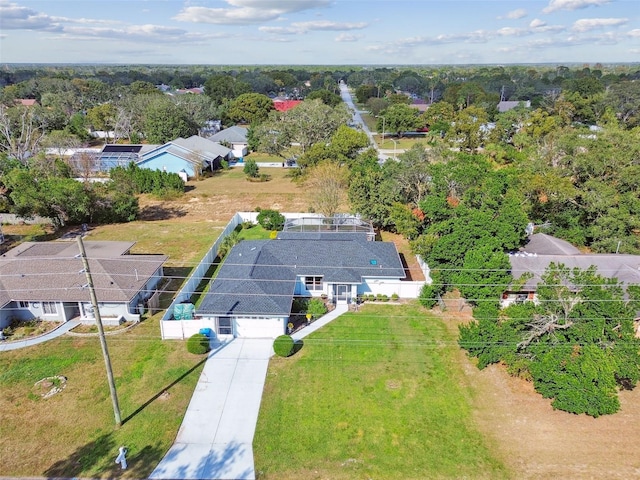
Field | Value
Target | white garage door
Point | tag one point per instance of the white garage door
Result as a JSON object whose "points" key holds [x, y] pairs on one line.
{"points": [[259, 327]]}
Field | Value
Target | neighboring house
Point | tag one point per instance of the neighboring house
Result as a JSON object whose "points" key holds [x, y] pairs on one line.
{"points": [[47, 280], [282, 105], [542, 250], [252, 293], [235, 136], [188, 157], [506, 105]]}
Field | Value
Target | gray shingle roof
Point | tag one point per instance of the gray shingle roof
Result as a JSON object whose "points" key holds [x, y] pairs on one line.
{"points": [[53, 271], [542, 244], [258, 277], [235, 134], [626, 268], [203, 146]]}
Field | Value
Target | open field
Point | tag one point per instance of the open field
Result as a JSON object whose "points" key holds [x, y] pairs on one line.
{"points": [[375, 394]]}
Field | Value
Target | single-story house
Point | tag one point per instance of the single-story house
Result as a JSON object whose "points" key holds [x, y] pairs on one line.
{"points": [[252, 294], [47, 280], [236, 137], [187, 156], [542, 250]]}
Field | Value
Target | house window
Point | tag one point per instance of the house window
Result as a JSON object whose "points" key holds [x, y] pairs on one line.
{"points": [[23, 304], [225, 326], [313, 283], [49, 308]]}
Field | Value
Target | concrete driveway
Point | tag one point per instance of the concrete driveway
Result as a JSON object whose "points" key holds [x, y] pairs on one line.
{"points": [[216, 435]]}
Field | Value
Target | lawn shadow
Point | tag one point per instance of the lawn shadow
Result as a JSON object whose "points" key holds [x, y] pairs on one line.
{"points": [[160, 212], [163, 390], [297, 346]]}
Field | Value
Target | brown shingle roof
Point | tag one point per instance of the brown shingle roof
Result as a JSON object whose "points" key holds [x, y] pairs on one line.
{"points": [[53, 271]]}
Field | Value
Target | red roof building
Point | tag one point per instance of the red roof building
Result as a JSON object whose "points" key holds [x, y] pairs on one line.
{"points": [[284, 105]]}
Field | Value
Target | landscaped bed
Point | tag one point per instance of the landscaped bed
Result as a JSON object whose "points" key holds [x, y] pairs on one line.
{"points": [[377, 393]]}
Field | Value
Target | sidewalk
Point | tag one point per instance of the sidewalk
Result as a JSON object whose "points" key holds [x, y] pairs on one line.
{"points": [[321, 322], [7, 345]]}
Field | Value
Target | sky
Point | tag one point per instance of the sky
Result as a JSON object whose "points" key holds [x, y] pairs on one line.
{"points": [[320, 32]]}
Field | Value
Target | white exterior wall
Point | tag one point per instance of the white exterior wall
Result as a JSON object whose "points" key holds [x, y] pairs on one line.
{"points": [[183, 329], [401, 288], [259, 327]]}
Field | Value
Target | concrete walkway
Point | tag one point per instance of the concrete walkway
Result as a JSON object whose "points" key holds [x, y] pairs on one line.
{"points": [[215, 440], [6, 345]]}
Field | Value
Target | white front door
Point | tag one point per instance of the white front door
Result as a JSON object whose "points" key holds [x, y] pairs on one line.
{"points": [[343, 293]]}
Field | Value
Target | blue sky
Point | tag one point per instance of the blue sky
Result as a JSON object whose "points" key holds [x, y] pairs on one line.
{"points": [[319, 32]]}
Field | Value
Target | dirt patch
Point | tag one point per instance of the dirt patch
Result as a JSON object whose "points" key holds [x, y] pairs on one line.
{"points": [[537, 442]]}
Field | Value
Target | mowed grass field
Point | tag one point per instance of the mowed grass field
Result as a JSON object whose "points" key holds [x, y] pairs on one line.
{"points": [[376, 394]]}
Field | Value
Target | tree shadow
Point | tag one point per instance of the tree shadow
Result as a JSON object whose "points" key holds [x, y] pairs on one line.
{"points": [[160, 212], [102, 453]]}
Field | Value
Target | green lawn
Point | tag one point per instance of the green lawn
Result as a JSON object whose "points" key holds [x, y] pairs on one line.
{"points": [[376, 394]]}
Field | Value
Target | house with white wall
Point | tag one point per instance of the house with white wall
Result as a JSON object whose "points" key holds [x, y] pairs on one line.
{"points": [[253, 292]]}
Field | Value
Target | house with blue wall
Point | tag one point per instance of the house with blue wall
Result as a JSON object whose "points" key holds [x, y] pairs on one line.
{"points": [[187, 156]]}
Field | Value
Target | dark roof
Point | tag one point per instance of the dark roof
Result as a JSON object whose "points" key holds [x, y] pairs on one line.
{"points": [[258, 277], [53, 271]]}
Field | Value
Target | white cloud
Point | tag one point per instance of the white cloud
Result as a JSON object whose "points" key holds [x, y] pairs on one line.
{"points": [[14, 17], [512, 32], [347, 37], [537, 23], [572, 4], [586, 24], [327, 25], [515, 14], [247, 12], [635, 33]]}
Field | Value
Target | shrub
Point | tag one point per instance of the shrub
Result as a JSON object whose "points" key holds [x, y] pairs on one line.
{"points": [[283, 346], [198, 344], [251, 169], [395, 297], [316, 307], [270, 219]]}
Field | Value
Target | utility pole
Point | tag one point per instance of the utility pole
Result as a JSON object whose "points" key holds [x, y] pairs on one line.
{"points": [[103, 340]]}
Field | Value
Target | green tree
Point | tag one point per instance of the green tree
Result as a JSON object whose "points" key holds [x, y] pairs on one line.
{"points": [[577, 344], [270, 219], [165, 121], [398, 118], [467, 129], [251, 168], [327, 97], [249, 108]]}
